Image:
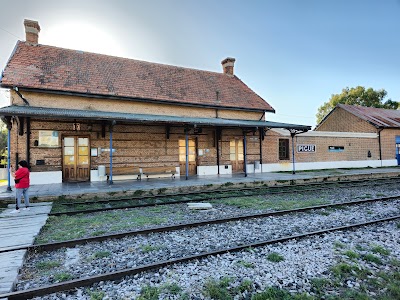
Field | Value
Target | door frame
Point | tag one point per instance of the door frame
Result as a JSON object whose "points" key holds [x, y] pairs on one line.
{"points": [[75, 136], [195, 154], [236, 168]]}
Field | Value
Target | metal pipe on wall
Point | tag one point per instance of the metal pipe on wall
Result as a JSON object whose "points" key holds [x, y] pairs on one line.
{"points": [[111, 152], [293, 159], [245, 153], [187, 152], [9, 160], [380, 145], [261, 130], [28, 140], [217, 135]]}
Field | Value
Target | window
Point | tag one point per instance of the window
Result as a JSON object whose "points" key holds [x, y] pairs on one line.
{"points": [[236, 150], [182, 150], [283, 149]]}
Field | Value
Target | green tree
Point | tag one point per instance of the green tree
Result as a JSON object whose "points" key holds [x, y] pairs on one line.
{"points": [[357, 96]]}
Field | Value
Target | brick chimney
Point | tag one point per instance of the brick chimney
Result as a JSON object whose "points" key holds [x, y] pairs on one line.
{"points": [[227, 65], [32, 30]]}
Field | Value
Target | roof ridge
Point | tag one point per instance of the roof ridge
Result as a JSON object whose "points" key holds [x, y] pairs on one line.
{"points": [[122, 58]]}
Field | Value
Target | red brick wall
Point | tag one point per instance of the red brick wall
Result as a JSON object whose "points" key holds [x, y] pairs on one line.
{"points": [[138, 145], [146, 145], [342, 121], [124, 106], [388, 142], [355, 148]]}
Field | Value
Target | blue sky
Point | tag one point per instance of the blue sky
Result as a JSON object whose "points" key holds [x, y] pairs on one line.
{"points": [[294, 53]]}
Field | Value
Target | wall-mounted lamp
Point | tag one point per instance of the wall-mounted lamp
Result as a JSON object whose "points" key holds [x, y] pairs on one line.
{"points": [[90, 126]]}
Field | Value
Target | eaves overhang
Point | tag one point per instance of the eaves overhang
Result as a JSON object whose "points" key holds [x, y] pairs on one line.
{"points": [[138, 99], [51, 113]]}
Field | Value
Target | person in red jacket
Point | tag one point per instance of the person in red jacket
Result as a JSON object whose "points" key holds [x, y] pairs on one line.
{"points": [[21, 177]]}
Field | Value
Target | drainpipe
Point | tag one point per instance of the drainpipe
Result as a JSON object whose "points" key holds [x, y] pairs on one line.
{"points": [[187, 152], [15, 88], [217, 135], [16, 161], [28, 140], [292, 134], [9, 158], [261, 130], [111, 152], [379, 142], [245, 153]]}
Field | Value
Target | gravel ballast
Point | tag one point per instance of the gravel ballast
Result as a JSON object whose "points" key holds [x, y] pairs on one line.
{"points": [[304, 261], [116, 254], [135, 219]]}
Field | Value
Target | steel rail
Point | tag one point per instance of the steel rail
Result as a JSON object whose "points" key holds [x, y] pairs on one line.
{"points": [[290, 187], [72, 243], [68, 285], [257, 191]]}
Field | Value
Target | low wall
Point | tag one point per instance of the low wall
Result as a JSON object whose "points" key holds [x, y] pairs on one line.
{"points": [[329, 165], [56, 176], [46, 177], [3, 173]]}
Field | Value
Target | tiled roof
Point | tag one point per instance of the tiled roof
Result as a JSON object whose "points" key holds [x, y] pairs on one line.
{"points": [[45, 112], [329, 134], [57, 69], [378, 117]]}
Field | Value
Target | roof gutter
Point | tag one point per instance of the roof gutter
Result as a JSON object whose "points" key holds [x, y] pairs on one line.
{"points": [[39, 113], [146, 100]]}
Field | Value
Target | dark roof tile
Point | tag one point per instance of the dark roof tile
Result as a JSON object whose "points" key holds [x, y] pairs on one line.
{"points": [[51, 68], [379, 117]]}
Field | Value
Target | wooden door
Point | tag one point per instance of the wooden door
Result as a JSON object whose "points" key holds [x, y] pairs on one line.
{"points": [[192, 157], [236, 155], [76, 159]]}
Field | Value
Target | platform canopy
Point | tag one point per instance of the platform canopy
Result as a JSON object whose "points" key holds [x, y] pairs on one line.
{"points": [[51, 113]]}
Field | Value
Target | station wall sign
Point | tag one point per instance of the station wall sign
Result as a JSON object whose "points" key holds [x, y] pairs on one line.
{"points": [[306, 148], [336, 148]]}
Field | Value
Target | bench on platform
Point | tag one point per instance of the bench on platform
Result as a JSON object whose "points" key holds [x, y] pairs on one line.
{"points": [[124, 171], [159, 171]]}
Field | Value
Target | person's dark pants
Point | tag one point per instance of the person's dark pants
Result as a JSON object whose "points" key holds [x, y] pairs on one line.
{"points": [[18, 196]]}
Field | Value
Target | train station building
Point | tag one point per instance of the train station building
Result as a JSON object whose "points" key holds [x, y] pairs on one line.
{"points": [[79, 116]]}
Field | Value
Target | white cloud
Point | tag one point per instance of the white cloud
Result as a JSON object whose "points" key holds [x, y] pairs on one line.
{"points": [[4, 97]]}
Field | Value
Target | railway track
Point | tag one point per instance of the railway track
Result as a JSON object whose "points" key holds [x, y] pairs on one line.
{"points": [[166, 199], [71, 284], [75, 242], [118, 274]]}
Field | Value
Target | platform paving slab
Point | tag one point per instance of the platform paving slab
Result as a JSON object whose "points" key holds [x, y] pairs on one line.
{"points": [[10, 263], [18, 230]]}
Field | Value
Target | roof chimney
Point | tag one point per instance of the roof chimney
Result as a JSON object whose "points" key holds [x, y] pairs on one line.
{"points": [[32, 30], [227, 65]]}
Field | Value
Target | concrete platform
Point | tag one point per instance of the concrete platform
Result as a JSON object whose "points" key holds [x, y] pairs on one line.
{"points": [[80, 188], [18, 230]]}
